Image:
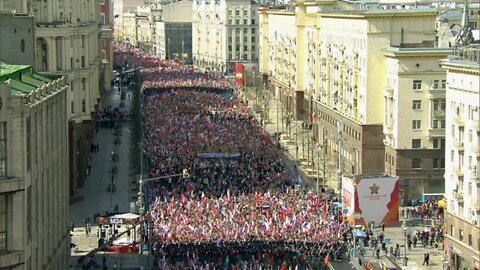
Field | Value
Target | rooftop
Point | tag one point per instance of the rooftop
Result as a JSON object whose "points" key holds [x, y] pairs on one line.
{"points": [[6, 70], [21, 78]]}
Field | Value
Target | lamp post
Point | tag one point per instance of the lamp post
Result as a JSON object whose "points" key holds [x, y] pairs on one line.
{"points": [[141, 204], [318, 166], [340, 140], [405, 259]]}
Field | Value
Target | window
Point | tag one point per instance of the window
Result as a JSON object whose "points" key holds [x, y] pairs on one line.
{"points": [[3, 222], [3, 149], [245, 48], [245, 39], [444, 84], [102, 19], [253, 39], [72, 107], [416, 124], [438, 143], [439, 104], [253, 21], [22, 45], [237, 21], [417, 104], [237, 48], [439, 163], [416, 143], [237, 12], [253, 30], [84, 83], [83, 61], [417, 85], [253, 48], [71, 62], [416, 163], [245, 21], [436, 84], [82, 41], [452, 231], [245, 30], [229, 48], [470, 240], [460, 232], [84, 105]]}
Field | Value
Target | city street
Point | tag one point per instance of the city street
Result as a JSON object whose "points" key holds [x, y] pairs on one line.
{"points": [[96, 195]]}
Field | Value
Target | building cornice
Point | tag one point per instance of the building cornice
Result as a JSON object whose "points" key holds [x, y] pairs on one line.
{"points": [[379, 14], [395, 52]]}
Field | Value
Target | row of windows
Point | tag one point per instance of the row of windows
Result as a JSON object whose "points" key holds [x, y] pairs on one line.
{"points": [[237, 39], [245, 31], [436, 84], [437, 163], [461, 237], [438, 105], [237, 48], [237, 21], [417, 144], [436, 124]]}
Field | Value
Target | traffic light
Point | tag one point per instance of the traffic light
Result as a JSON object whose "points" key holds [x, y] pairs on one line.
{"points": [[185, 173]]}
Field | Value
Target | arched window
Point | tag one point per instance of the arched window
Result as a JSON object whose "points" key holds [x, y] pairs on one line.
{"points": [[22, 45]]}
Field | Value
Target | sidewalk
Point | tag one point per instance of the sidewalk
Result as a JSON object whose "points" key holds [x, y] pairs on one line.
{"points": [[97, 198]]}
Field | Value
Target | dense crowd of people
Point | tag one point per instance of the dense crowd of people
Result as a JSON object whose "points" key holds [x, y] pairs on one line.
{"points": [[108, 116], [238, 207], [158, 73], [238, 190], [427, 210]]}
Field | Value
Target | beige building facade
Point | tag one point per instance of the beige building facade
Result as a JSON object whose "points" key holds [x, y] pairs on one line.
{"points": [[414, 120], [68, 43], [224, 32], [462, 166], [34, 161], [328, 70]]}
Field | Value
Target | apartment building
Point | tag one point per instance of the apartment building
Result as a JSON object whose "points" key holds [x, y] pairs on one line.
{"points": [[223, 33], [173, 33], [462, 157], [327, 68], [34, 160], [120, 8], [68, 43], [106, 21], [414, 120]]}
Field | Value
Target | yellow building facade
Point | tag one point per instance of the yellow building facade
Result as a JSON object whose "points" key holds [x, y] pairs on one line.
{"points": [[327, 69]]}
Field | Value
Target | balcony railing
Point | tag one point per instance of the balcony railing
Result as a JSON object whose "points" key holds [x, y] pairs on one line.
{"points": [[458, 171], [459, 121], [459, 145], [439, 113], [436, 132]]}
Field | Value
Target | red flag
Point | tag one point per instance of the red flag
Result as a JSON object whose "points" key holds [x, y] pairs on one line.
{"points": [[327, 259], [183, 198]]}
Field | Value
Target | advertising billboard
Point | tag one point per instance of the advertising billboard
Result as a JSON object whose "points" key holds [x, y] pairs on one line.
{"points": [[367, 198], [239, 74]]}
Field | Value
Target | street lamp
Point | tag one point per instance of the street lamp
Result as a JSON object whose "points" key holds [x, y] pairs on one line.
{"points": [[340, 140], [405, 259], [141, 201]]}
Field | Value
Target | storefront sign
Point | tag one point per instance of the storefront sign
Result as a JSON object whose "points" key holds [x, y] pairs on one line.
{"points": [[116, 221]]}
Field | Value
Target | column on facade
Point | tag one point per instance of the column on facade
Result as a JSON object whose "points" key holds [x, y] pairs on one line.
{"points": [[52, 53]]}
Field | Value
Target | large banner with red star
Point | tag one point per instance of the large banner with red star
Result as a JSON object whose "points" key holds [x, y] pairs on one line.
{"points": [[367, 198]]}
